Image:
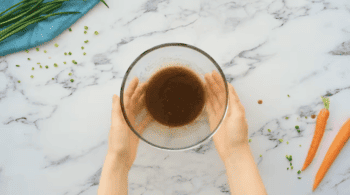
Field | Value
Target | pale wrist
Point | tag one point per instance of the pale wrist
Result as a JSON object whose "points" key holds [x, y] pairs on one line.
{"points": [[117, 162], [237, 153]]}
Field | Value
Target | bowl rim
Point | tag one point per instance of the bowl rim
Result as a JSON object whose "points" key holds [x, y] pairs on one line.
{"points": [[159, 47]]}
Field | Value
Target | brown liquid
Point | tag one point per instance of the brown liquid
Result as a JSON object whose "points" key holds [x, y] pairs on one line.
{"points": [[175, 96]]}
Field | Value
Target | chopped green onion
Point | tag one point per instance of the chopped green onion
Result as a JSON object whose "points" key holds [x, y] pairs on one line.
{"points": [[70, 53], [291, 167], [46, 66], [287, 142], [299, 172], [96, 33], [85, 27], [28, 58], [288, 96], [85, 32], [64, 62], [290, 164], [86, 41], [31, 76], [32, 68], [289, 158], [38, 63], [298, 131], [41, 66], [260, 155], [37, 49], [281, 140], [55, 65], [56, 45], [45, 51], [250, 140], [84, 53], [299, 145], [52, 78], [70, 29], [19, 81], [82, 47], [287, 168], [72, 80], [287, 117], [18, 65], [27, 51], [306, 117], [269, 130], [65, 53], [299, 177], [70, 74], [297, 127]]}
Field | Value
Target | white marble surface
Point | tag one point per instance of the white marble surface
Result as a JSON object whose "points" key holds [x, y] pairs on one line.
{"points": [[53, 133]]}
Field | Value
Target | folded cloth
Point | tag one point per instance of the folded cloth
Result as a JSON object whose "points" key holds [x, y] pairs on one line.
{"points": [[44, 31]]}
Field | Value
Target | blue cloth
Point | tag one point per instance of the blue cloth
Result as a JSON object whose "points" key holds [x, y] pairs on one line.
{"points": [[32, 37]]}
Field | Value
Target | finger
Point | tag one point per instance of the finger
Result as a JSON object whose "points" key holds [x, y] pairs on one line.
{"points": [[217, 77], [234, 97], [144, 123], [115, 105], [131, 88], [138, 92], [210, 99], [218, 99]]}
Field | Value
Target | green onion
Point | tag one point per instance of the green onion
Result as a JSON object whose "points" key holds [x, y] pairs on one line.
{"points": [[31, 76], [85, 32], [298, 131], [297, 127], [52, 78], [56, 45], [287, 168], [289, 158], [299, 177], [72, 80], [65, 53], [55, 65], [86, 41], [288, 96], [28, 58], [45, 51], [299, 145], [306, 117], [18, 65], [96, 33], [299, 172], [85, 27], [290, 164], [291, 167], [260, 155], [41, 66], [250, 140], [82, 47], [64, 62], [70, 29], [84, 53], [281, 140], [19, 81], [38, 63], [46, 66], [287, 117], [104, 2], [70, 74], [37, 49], [287, 142], [27, 51], [32, 68], [269, 130], [70, 53]]}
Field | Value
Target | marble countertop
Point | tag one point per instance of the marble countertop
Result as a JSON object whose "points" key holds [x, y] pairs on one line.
{"points": [[53, 133]]}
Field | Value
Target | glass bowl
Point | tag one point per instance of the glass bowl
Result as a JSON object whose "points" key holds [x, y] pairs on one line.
{"points": [[152, 132]]}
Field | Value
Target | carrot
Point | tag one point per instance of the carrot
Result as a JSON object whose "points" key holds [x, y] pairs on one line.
{"points": [[333, 151], [321, 122]]}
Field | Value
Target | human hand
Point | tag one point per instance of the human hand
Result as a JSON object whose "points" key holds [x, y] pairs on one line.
{"points": [[122, 141], [233, 132]]}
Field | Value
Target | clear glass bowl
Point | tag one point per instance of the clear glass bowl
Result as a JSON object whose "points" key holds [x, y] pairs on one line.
{"points": [[144, 67]]}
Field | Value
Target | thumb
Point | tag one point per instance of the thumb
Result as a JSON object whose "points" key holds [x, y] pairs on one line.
{"points": [[116, 104]]}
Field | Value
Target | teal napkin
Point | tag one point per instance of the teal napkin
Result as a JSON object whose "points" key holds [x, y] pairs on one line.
{"points": [[49, 28]]}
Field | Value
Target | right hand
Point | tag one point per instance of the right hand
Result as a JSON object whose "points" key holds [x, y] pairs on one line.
{"points": [[233, 132]]}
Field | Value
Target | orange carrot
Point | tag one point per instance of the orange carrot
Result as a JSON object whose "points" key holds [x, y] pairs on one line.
{"points": [[333, 151], [321, 122]]}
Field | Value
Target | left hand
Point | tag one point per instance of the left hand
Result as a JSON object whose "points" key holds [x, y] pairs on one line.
{"points": [[122, 141]]}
